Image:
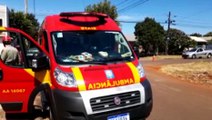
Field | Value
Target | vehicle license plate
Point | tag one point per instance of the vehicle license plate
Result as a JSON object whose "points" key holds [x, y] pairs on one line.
{"points": [[124, 116]]}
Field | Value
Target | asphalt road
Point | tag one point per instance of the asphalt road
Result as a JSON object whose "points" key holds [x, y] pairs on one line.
{"points": [[174, 99]]}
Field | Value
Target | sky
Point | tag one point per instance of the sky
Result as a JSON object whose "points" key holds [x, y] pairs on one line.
{"points": [[190, 16]]}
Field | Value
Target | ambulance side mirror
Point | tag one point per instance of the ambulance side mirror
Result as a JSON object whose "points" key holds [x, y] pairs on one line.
{"points": [[40, 63]]}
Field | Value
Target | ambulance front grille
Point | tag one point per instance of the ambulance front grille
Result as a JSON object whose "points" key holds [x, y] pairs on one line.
{"points": [[115, 101]]}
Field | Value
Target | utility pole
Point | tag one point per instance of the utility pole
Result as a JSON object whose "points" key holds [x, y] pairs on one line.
{"points": [[169, 21], [26, 6], [34, 6]]}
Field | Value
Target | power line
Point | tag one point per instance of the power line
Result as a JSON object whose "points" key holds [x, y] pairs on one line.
{"points": [[200, 22], [198, 13], [194, 26], [133, 5], [121, 3], [179, 24], [125, 21]]}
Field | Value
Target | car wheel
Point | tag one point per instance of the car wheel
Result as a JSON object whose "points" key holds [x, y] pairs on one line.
{"points": [[183, 57], [193, 56], [209, 56]]}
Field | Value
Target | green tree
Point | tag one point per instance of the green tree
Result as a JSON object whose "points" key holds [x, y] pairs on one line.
{"points": [[208, 34], [196, 34], [179, 41], [103, 7], [150, 35], [27, 22]]}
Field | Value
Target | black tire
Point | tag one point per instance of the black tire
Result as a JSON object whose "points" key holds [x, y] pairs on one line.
{"points": [[209, 55], [48, 110], [184, 57], [193, 56], [45, 109]]}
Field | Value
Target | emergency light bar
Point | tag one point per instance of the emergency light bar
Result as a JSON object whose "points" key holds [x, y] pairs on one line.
{"points": [[92, 14], [101, 17]]}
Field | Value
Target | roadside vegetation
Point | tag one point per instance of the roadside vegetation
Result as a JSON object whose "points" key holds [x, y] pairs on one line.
{"points": [[26, 22], [195, 72]]}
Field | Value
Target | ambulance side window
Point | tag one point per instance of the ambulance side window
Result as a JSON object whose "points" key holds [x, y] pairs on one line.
{"points": [[43, 40], [26, 50], [30, 50], [46, 41], [10, 50]]}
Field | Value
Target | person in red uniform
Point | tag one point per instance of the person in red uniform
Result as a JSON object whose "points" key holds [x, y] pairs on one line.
{"points": [[9, 54]]}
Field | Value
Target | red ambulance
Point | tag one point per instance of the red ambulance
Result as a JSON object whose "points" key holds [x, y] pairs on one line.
{"points": [[80, 68]]}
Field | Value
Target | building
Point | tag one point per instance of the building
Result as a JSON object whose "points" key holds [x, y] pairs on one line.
{"points": [[209, 45], [199, 40], [202, 41], [207, 38], [131, 39], [4, 21]]}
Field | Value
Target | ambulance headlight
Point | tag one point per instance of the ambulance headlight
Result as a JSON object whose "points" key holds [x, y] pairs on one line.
{"points": [[64, 79], [141, 70]]}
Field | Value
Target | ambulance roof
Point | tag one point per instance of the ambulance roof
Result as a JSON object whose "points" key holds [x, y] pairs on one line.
{"points": [[75, 21]]}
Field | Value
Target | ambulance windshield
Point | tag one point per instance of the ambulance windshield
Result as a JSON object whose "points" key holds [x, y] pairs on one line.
{"points": [[90, 47]]}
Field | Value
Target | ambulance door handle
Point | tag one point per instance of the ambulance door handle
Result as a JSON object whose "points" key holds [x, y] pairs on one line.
{"points": [[1, 74]]}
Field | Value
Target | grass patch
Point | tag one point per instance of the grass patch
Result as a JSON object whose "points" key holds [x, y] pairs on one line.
{"points": [[195, 72]]}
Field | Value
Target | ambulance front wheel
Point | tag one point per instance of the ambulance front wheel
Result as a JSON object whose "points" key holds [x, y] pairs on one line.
{"points": [[41, 105], [42, 108]]}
